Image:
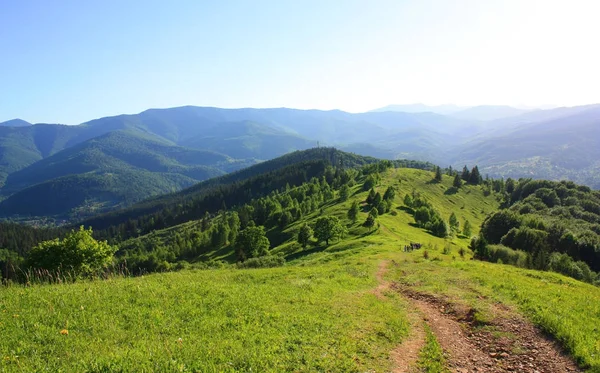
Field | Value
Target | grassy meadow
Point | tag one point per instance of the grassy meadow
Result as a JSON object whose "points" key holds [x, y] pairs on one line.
{"points": [[318, 313]]}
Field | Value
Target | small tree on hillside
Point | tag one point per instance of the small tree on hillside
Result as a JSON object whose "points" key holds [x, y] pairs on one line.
{"points": [[457, 183], [389, 194], [328, 228], [467, 229], [252, 242], [304, 235], [370, 221], [408, 200], [438, 175], [466, 175], [371, 196], [344, 192], [454, 223], [78, 252], [475, 177], [353, 211]]}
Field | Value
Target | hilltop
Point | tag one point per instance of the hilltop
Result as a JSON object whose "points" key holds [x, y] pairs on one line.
{"points": [[359, 302]]}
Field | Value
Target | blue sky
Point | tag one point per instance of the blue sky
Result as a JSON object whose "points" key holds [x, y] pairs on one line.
{"points": [[71, 61]]}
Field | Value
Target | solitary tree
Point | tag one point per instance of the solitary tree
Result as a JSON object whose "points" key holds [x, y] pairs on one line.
{"points": [[408, 200], [353, 211], [389, 194], [327, 228], [457, 183], [252, 242], [467, 229], [370, 222], [454, 223], [304, 235], [438, 175], [371, 196], [475, 177], [78, 252]]}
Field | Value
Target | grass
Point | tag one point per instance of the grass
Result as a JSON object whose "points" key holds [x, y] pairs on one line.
{"points": [[431, 356], [317, 313], [284, 319]]}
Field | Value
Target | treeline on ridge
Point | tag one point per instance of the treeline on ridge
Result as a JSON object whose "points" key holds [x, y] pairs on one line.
{"points": [[545, 225]]}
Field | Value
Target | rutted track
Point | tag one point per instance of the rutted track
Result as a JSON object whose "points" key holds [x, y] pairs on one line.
{"points": [[507, 343]]}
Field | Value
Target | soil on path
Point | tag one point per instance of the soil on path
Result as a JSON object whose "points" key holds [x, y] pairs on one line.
{"points": [[507, 343], [405, 355]]}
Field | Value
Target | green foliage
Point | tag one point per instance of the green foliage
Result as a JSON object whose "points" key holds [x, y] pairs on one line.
{"points": [[467, 230], [431, 356], [438, 175], [78, 253], [305, 235], [328, 228], [353, 211], [267, 261], [454, 223], [457, 183], [252, 242], [344, 192]]}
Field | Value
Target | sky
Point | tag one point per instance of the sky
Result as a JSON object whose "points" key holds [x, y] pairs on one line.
{"points": [[69, 61]]}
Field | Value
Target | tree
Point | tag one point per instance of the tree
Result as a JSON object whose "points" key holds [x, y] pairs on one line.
{"points": [[467, 229], [369, 182], [353, 211], [389, 194], [475, 177], [408, 200], [220, 234], [252, 242], [344, 192], [377, 199], [457, 183], [370, 222], [78, 252], [371, 196], [438, 175], [328, 228], [466, 175], [454, 223], [304, 235], [233, 220]]}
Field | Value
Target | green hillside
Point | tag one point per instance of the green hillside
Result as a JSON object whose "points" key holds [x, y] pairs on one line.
{"points": [[356, 304], [116, 169]]}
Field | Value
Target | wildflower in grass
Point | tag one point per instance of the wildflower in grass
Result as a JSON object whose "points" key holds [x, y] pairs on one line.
{"points": [[15, 315], [64, 332]]}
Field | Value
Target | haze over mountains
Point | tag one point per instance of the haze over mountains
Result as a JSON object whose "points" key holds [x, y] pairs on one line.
{"points": [[111, 162]]}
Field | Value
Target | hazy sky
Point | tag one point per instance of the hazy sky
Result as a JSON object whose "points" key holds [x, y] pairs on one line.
{"points": [[71, 61]]}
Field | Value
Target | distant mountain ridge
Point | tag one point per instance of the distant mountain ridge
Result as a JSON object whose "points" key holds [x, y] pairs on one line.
{"points": [[166, 150]]}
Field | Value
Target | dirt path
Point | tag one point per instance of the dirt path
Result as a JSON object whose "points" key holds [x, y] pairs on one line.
{"points": [[508, 343], [404, 356]]}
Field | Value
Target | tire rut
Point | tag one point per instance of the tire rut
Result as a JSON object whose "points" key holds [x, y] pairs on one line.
{"points": [[506, 344]]}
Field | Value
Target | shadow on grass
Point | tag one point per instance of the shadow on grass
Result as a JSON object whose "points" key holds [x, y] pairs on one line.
{"points": [[451, 190], [305, 252], [406, 209]]}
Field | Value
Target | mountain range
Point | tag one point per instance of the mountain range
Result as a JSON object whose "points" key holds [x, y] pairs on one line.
{"points": [[73, 172]]}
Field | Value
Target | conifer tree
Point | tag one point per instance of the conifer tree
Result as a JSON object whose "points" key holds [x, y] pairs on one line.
{"points": [[304, 235], [466, 175], [438, 175], [353, 211], [457, 183]]}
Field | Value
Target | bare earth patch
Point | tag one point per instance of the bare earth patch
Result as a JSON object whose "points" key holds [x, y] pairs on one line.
{"points": [[508, 343], [404, 356]]}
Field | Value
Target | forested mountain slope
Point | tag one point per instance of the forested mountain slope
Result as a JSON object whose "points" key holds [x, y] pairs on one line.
{"points": [[115, 169]]}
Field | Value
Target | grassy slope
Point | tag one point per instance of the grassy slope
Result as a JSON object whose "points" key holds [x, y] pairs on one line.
{"points": [[315, 314]]}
